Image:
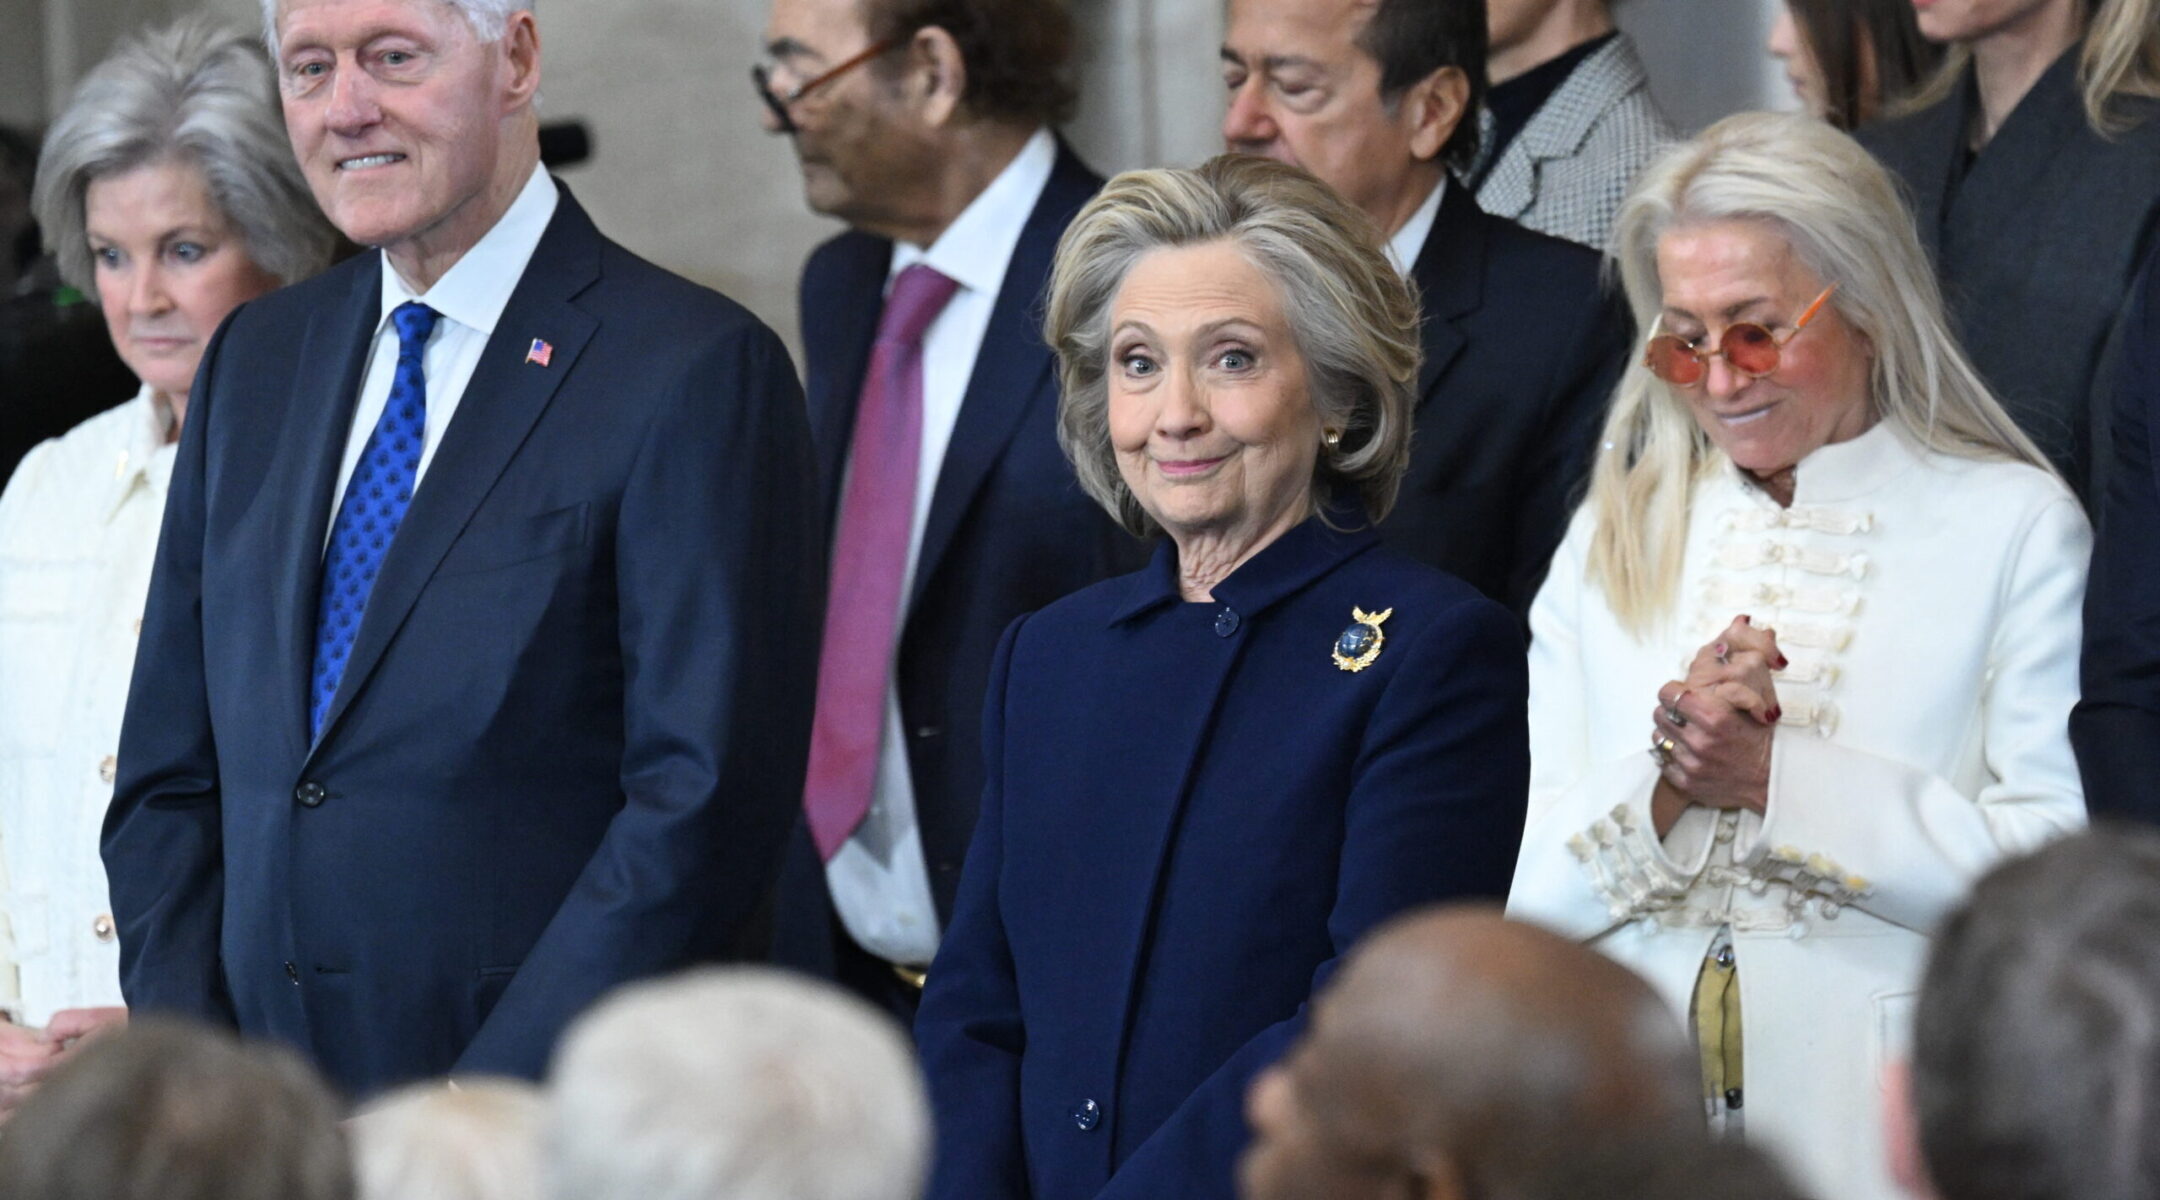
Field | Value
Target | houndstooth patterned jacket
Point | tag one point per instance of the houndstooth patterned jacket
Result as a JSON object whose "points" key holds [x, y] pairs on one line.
{"points": [[1567, 171]]}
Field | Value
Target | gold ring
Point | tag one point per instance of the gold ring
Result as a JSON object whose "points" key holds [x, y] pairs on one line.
{"points": [[1661, 749]]}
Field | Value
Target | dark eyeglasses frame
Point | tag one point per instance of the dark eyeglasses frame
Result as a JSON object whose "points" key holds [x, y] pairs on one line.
{"points": [[761, 77], [1702, 357]]}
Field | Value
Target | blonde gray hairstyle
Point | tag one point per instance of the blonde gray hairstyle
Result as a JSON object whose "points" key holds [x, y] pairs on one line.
{"points": [[488, 18], [1353, 316], [732, 1082], [202, 95], [2118, 56], [476, 1140], [1840, 213]]}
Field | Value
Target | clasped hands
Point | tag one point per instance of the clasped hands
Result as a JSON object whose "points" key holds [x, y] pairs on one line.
{"points": [[28, 1054], [1711, 732]]}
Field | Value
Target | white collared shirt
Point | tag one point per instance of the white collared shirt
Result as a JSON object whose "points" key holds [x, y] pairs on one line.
{"points": [[1409, 241], [471, 296], [879, 879], [78, 532]]}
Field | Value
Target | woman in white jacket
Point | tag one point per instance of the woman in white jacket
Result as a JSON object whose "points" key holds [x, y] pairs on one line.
{"points": [[1803, 666]]}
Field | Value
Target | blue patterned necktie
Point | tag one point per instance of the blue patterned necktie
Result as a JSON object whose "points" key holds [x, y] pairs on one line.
{"points": [[376, 498]]}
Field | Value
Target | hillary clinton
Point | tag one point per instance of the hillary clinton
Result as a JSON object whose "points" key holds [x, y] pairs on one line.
{"points": [[1206, 779]]}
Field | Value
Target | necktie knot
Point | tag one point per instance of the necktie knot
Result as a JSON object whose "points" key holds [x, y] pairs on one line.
{"points": [[918, 294], [414, 323]]}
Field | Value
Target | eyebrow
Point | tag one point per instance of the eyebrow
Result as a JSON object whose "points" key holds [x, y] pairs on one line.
{"points": [[1728, 312], [1208, 330], [787, 47], [1273, 62]]}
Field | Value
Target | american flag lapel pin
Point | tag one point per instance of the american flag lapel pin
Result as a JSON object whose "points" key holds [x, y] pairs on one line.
{"points": [[540, 353]]}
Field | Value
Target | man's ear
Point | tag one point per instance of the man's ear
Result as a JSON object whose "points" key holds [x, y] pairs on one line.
{"points": [[521, 43], [1433, 107], [936, 75]]}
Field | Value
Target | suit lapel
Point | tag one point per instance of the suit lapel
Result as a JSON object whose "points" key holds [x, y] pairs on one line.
{"points": [[1450, 279], [498, 409], [332, 357], [1013, 369], [842, 335], [1935, 166]]}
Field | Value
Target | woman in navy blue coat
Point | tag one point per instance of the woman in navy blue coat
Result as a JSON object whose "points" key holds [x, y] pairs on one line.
{"points": [[1207, 779]]}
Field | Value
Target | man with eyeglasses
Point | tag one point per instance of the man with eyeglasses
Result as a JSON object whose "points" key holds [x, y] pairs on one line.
{"points": [[1522, 345], [925, 125]]}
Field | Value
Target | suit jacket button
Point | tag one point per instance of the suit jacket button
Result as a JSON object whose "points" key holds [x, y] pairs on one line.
{"points": [[1087, 1115], [310, 794], [1226, 622]]}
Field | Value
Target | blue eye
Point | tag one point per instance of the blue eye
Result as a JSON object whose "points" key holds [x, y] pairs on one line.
{"points": [[188, 252], [1137, 364], [1235, 360], [106, 256]]}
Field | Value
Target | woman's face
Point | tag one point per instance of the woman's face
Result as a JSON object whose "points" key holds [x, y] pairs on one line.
{"points": [[1975, 20], [1723, 272], [1209, 415], [1789, 46], [168, 268]]}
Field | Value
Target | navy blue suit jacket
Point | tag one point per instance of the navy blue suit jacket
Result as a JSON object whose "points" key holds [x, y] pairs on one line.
{"points": [[2116, 724], [1009, 528], [1191, 813], [1523, 348], [569, 741]]}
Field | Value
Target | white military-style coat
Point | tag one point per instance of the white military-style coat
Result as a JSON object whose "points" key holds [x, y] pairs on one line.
{"points": [[1929, 609], [78, 526]]}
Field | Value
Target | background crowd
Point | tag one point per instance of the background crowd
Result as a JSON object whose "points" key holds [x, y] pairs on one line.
{"points": [[1106, 658]]}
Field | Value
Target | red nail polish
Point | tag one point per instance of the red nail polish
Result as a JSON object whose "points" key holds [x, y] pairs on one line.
{"points": [[1744, 619], [1783, 662], [1775, 713], [1720, 650]]}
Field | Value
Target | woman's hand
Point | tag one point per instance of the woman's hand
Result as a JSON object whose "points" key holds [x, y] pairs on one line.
{"points": [[1712, 731], [25, 1057]]}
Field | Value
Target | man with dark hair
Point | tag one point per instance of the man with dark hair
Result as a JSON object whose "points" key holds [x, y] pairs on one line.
{"points": [[1522, 344], [1460, 1054], [2035, 1070], [1569, 121], [173, 1111], [924, 124]]}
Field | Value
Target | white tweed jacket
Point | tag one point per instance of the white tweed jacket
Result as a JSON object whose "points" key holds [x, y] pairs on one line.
{"points": [[1567, 171]]}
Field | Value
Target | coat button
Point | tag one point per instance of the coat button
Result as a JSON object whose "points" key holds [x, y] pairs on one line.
{"points": [[926, 732], [107, 768], [1226, 622], [102, 927], [293, 973], [1087, 1115], [310, 794]]}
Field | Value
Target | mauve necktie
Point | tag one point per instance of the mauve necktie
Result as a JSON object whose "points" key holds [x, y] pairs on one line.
{"points": [[376, 498], [869, 560]]}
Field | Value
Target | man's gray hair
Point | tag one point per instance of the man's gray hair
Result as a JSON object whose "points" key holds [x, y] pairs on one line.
{"points": [[196, 93], [1353, 316], [2036, 1050], [737, 1083], [478, 1140], [488, 18]]}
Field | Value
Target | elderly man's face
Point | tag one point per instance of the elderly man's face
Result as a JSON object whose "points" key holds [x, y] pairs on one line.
{"points": [[1304, 93], [396, 112], [857, 149]]}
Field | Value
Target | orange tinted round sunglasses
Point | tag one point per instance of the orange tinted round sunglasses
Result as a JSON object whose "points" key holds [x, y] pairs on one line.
{"points": [[1746, 347]]}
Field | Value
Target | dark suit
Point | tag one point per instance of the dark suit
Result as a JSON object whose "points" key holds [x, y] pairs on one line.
{"points": [[1192, 812], [1009, 531], [2036, 243], [2116, 725], [569, 739], [1522, 350]]}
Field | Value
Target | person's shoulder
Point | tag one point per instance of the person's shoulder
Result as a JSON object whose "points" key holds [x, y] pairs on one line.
{"points": [[1521, 256], [848, 253], [278, 316], [81, 457], [1419, 594], [1891, 138], [1997, 493], [657, 294]]}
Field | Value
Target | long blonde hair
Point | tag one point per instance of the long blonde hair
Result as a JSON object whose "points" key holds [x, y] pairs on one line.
{"points": [[1840, 213], [2118, 56]]}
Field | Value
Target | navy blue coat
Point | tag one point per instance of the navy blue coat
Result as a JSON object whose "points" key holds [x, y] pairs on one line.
{"points": [[1191, 813], [1009, 530], [2116, 724], [568, 743], [1523, 347]]}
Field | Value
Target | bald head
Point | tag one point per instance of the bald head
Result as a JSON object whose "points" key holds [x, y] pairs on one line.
{"points": [[1454, 1045]]}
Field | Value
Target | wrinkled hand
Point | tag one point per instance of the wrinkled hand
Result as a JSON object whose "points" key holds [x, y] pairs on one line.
{"points": [[25, 1057], [1718, 723]]}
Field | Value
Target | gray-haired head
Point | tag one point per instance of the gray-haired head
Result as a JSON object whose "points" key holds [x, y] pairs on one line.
{"points": [[197, 93], [487, 17], [479, 1140], [2036, 1047], [1352, 314], [735, 1082]]}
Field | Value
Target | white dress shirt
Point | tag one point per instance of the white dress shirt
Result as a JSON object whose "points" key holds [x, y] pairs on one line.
{"points": [[78, 531], [471, 297], [1409, 241], [879, 879]]}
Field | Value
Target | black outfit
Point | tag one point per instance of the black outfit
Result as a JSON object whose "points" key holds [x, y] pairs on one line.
{"points": [[1513, 103], [1523, 347], [2037, 239]]}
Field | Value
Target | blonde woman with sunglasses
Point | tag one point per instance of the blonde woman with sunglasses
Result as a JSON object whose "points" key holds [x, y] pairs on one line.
{"points": [[1802, 667]]}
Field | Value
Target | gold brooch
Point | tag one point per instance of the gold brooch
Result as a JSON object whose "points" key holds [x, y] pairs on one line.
{"points": [[1360, 644]]}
